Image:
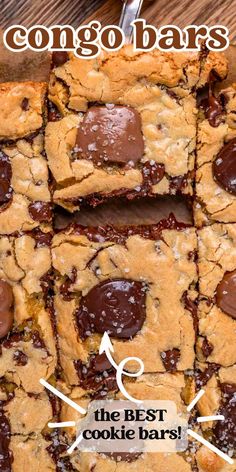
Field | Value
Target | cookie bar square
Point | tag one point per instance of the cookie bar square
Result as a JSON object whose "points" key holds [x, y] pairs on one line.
{"points": [[217, 287], [27, 340], [216, 159], [219, 398], [25, 444], [166, 386], [24, 182], [123, 124], [136, 283]]}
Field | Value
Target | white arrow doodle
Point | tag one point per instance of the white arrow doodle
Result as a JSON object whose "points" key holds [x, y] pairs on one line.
{"points": [[107, 347]]}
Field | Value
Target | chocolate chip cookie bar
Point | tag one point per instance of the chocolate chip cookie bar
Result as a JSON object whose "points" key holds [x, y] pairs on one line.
{"points": [[24, 183], [27, 344], [136, 283], [219, 384], [23, 430], [217, 287], [124, 124], [216, 159]]}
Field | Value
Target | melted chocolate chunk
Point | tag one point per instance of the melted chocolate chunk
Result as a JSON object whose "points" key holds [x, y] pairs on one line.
{"points": [[225, 431], [120, 235], [53, 112], [40, 211], [59, 58], [6, 295], [111, 134], [170, 359], [6, 312], [25, 104], [38, 342], [152, 173], [5, 454], [65, 287], [202, 377], [224, 167], [226, 294], [116, 306], [98, 375], [207, 347], [213, 109], [191, 305], [178, 183], [5, 179], [42, 239], [20, 358]]}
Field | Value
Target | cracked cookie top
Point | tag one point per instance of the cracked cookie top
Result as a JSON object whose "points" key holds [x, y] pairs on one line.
{"points": [[216, 159], [100, 278]]}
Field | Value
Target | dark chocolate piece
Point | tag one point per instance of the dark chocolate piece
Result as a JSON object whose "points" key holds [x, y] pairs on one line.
{"points": [[226, 294], [225, 431], [40, 211], [25, 104], [98, 375], [224, 167], [207, 347], [111, 134], [6, 312], [20, 358], [116, 306], [170, 359], [202, 377], [59, 58], [5, 454], [5, 179]]}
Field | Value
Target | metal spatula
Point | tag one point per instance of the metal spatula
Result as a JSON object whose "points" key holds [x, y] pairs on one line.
{"points": [[130, 12]]}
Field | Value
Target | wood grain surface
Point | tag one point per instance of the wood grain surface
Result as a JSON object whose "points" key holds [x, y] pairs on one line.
{"points": [[159, 12], [35, 66]]}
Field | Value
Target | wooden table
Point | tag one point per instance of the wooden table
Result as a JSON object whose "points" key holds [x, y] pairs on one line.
{"points": [[159, 12]]}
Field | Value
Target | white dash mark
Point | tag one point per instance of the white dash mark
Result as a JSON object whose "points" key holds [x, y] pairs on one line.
{"points": [[195, 400], [210, 446], [75, 444], [203, 419], [63, 397], [66, 424]]}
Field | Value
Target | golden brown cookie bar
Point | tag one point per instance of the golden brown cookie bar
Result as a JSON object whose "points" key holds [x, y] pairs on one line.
{"points": [[219, 384], [24, 185], [123, 124], [23, 429], [26, 318], [136, 283], [217, 286], [166, 386], [216, 159]]}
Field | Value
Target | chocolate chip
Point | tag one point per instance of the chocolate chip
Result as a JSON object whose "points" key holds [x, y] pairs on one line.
{"points": [[191, 306], [178, 183], [40, 211], [224, 167], [65, 287], [6, 295], [226, 294], [213, 109], [20, 358], [116, 306], [97, 375], [42, 239], [170, 359], [59, 57], [25, 104], [111, 134], [225, 431], [5, 455], [38, 342], [53, 112], [202, 377], [6, 313], [5, 179], [152, 172], [207, 347]]}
